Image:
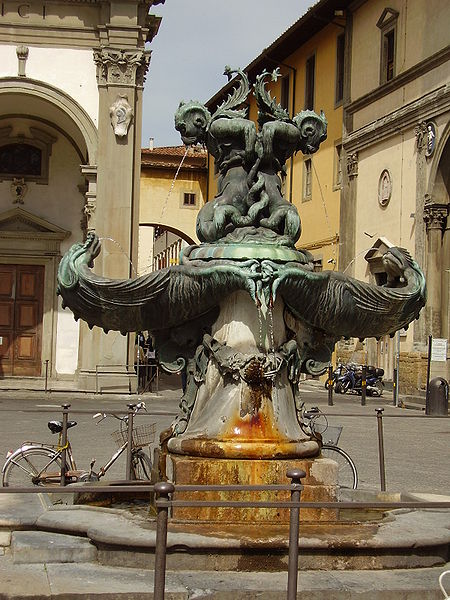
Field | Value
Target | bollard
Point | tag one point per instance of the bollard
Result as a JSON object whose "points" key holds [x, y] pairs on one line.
{"points": [[363, 385], [131, 408], [379, 412], [394, 389], [295, 475], [163, 489], [330, 385], [65, 418], [437, 398], [46, 376]]}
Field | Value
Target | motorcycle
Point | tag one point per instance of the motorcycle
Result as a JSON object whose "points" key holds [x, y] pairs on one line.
{"points": [[351, 380], [338, 372]]}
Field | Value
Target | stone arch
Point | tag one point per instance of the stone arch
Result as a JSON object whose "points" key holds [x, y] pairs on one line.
{"points": [[173, 230], [442, 149], [69, 116]]}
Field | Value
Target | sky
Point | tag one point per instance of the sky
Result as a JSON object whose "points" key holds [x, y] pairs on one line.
{"points": [[196, 39]]}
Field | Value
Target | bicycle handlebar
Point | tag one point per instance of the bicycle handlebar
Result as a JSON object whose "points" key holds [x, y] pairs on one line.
{"points": [[136, 408]]}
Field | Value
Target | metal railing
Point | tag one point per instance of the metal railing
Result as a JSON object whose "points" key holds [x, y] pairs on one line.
{"points": [[111, 370], [164, 490]]}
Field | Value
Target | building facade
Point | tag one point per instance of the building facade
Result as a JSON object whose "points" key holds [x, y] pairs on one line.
{"points": [[397, 162], [173, 190], [310, 59], [71, 81]]}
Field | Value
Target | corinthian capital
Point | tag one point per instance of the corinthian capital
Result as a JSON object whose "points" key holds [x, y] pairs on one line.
{"points": [[121, 67], [435, 215]]}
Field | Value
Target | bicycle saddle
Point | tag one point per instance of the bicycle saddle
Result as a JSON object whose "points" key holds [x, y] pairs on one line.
{"points": [[56, 426]]}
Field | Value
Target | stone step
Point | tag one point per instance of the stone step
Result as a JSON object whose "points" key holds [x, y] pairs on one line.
{"points": [[47, 547], [90, 581]]}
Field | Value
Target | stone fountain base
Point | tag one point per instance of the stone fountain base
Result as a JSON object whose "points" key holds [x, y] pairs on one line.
{"points": [[320, 485], [366, 540]]}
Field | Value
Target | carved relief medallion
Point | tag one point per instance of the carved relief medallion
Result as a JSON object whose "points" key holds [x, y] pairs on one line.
{"points": [[121, 115], [430, 139], [384, 188]]}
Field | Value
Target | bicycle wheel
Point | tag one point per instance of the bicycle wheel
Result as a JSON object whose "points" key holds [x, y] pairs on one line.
{"points": [[142, 466], [33, 466], [347, 473]]}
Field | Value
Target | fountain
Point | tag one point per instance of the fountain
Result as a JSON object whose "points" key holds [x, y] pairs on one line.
{"points": [[244, 313]]}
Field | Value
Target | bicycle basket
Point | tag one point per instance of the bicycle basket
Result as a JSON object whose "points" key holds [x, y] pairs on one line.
{"points": [[143, 435], [330, 434]]}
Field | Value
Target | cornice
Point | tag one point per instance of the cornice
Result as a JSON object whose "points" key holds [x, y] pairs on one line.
{"points": [[424, 108], [329, 241], [399, 81]]}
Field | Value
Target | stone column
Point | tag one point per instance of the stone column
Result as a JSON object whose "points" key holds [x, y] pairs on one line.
{"points": [[120, 77], [420, 238], [435, 216], [445, 322], [347, 218]]}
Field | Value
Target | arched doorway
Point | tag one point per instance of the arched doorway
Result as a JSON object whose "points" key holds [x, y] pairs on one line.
{"points": [[44, 138], [436, 215]]}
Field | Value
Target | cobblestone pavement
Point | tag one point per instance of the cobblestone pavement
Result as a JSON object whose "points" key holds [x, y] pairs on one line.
{"points": [[417, 448]]}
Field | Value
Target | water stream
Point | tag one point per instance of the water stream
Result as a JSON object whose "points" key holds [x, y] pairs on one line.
{"points": [[110, 239], [163, 210]]}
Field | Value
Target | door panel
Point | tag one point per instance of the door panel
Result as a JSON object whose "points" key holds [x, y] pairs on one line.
{"points": [[26, 347], [6, 315], [21, 302]]}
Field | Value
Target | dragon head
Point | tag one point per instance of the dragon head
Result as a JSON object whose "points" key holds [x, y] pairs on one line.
{"points": [[192, 120], [313, 130]]}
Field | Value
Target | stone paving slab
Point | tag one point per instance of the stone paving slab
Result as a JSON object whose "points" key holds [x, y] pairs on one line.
{"points": [[44, 547], [21, 511], [93, 582]]}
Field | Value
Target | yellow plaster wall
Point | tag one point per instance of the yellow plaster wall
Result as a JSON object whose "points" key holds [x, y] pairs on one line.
{"points": [[159, 207], [320, 215]]}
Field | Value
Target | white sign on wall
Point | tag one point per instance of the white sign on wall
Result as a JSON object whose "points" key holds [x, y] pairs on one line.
{"points": [[439, 349]]}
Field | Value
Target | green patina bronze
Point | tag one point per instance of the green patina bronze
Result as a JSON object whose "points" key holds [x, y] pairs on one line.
{"points": [[248, 234]]}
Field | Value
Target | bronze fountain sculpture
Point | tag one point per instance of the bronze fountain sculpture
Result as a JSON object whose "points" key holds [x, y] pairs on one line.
{"points": [[244, 312]]}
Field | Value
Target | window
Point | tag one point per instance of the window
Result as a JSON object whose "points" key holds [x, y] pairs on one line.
{"points": [[20, 159], [310, 81], [387, 23], [307, 180], [388, 56], [317, 265], [284, 100], [337, 179], [340, 49], [189, 199], [25, 157]]}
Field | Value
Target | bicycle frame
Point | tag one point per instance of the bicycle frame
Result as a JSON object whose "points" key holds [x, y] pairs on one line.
{"points": [[113, 459], [56, 450]]}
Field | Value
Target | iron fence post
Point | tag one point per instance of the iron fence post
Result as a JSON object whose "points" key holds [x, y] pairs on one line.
{"points": [[130, 439], [46, 375], [65, 418], [295, 475], [394, 389], [363, 385], [379, 412], [162, 489], [330, 385]]}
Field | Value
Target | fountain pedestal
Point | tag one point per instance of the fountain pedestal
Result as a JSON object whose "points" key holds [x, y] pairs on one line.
{"points": [[320, 484]]}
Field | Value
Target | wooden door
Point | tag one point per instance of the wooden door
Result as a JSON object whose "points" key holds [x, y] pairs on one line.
{"points": [[21, 301]]}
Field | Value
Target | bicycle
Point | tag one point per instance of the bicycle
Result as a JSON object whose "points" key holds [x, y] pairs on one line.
{"points": [[314, 423], [41, 464]]}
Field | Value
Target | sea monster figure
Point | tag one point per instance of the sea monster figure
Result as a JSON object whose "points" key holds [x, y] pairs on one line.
{"points": [[247, 259]]}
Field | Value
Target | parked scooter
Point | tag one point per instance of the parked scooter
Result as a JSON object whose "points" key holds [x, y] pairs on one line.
{"points": [[351, 380], [338, 372]]}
